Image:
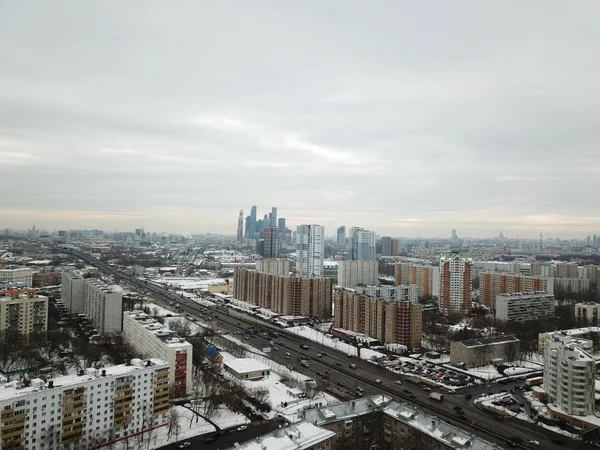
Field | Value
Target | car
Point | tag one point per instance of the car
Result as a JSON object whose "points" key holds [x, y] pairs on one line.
{"points": [[338, 364], [340, 384], [242, 428], [185, 444], [287, 356], [398, 382], [276, 348], [247, 338], [426, 388], [537, 443], [210, 439]]}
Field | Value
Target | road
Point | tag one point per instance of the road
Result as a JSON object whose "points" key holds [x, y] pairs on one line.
{"points": [[480, 422]]}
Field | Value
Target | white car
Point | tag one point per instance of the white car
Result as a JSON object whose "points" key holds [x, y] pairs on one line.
{"points": [[535, 443], [398, 382], [185, 444], [242, 428]]}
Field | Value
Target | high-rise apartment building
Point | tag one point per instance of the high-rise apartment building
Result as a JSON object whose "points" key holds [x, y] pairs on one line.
{"points": [[425, 276], [94, 408], [569, 377], [149, 337], [396, 247], [104, 306], [283, 294], [455, 283], [73, 291], [253, 224], [386, 246], [402, 293], [361, 244], [341, 236], [492, 284], [23, 317], [566, 270], [271, 242], [525, 306], [275, 266], [22, 275], [351, 273], [330, 270], [310, 250], [388, 321]]}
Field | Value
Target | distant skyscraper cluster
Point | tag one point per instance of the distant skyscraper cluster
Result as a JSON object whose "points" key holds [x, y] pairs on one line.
{"points": [[270, 232]]}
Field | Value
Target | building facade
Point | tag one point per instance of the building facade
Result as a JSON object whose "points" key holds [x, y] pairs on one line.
{"points": [[23, 317], [388, 321], [403, 293], [88, 410], [492, 284], [455, 283], [482, 352], [274, 266], [341, 236], [17, 275], [425, 276], [571, 285], [386, 246], [361, 244], [525, 306], [104, 306], [151, 339], [43, 279], [310, 250], [351, 273], [569, 377], [330, 270], [73, 291], [271, 242], [292, 296], [587, 313]]}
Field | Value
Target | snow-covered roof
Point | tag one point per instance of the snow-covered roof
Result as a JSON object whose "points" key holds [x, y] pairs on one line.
{"points": [[246, 365], [301, 435]]}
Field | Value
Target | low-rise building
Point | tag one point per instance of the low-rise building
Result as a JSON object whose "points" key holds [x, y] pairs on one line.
{"points": [[247, 369], [90, 409], [17, 275], [481, 352], [591, 334], [525, 306], [104, 306], [43, 279], [150, 338], [23, 317]]}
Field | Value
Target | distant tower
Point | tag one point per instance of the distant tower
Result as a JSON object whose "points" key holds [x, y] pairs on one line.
{"points": [[240, 226]]}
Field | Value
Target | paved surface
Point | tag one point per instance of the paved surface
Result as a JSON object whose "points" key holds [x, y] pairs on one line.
{"points": [[337, 362], [228, 440]]}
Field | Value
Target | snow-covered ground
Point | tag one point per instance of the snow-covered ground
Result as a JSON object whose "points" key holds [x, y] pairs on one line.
{"points": [[487, 402], [188, 283], [189, 427]]}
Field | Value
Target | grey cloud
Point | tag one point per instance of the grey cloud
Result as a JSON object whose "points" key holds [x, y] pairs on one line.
{"points": [[407, 117]]}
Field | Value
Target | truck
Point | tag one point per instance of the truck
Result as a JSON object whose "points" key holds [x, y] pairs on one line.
{"points": [[436, 396], [304, 363]]}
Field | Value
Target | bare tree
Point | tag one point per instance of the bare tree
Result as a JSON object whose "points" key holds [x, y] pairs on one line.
{"points": [[173, 423], [180, 326]]}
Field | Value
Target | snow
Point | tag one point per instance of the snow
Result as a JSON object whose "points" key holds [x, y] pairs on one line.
{"points": [[487, 402], [299, 435], [516, 370], [245, 365]]}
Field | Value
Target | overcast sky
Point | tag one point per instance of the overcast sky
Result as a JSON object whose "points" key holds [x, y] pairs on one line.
{"points": [[408, 118]]}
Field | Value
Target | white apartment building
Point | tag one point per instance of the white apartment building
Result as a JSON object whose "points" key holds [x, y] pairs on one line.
{"points": [[104, 306], [354, 272], [150, 338], [73, 291], [17, 275], [571, 284], [524, 306], [402, 293], [310, 250], [273, 266], [587, 312], [455, 283], [569, 377], [87, 410], [22, 317], [361, 244]]}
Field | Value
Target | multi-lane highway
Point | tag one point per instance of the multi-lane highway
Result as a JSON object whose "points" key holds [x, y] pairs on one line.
{"points": [[341, 375]]}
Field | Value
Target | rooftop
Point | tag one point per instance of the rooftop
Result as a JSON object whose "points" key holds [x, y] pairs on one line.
{"points": [[339, 411], [16, 388], [244, 365], [487, 341], [170, 338], [301, 435]]}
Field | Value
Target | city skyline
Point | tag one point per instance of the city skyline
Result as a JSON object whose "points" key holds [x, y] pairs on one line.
{"points": [[481, 118]]}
